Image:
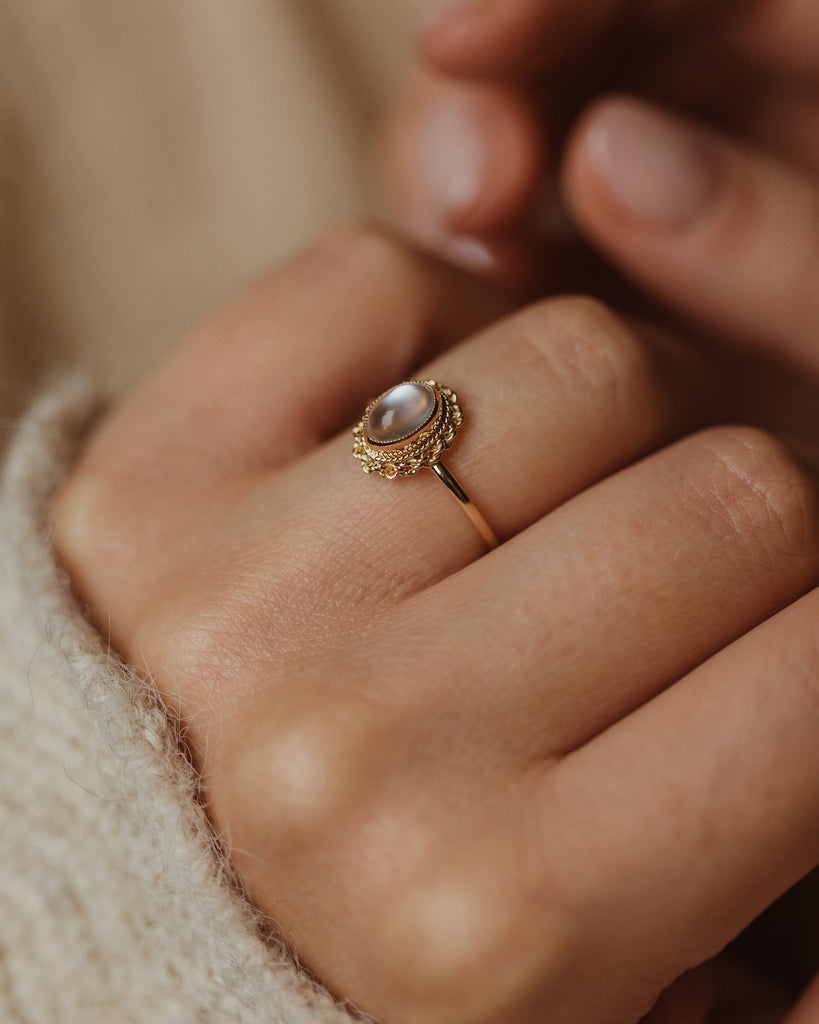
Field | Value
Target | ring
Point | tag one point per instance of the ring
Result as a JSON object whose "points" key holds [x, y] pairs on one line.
{"points": [[408, 428]]}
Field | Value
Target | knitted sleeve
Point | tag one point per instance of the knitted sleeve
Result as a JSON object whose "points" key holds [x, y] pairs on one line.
{"points": [[115, 903]]}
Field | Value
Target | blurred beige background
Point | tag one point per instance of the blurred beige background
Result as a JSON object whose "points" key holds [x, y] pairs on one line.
{"points": [[154, 154]]}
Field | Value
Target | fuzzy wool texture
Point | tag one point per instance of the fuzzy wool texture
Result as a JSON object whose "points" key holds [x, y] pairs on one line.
{"points": [[115, 902]]}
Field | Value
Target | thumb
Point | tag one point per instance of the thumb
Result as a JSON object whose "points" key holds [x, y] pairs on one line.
{"points": [[725, 234]]}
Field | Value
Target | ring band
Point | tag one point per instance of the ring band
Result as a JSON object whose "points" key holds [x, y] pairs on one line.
{"points": [[407, 429]]}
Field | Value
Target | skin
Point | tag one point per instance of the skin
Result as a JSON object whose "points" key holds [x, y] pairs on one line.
{"points": [[535, 85], [519, 72], [532, 84], [466, 788]]}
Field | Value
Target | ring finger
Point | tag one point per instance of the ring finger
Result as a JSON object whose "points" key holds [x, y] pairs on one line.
{"points": [[555, 398]]}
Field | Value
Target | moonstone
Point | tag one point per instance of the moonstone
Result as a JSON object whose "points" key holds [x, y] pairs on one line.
{"points": [[399, 413]]}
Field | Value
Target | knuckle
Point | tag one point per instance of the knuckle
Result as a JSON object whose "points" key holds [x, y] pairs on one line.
{"points": [[473, 952], [305, 771], [755, 489], [287, 793], [587, 346], [306, 800]]}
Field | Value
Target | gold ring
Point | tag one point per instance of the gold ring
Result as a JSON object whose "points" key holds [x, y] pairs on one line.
{"points": [[408, 428]]}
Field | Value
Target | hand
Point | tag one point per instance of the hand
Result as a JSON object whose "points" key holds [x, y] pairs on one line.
{"points": [[541, 783], [713, 216], [721, 227], [501, 83]]}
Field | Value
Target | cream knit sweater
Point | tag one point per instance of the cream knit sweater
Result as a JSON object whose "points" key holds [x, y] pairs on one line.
{"points": [[117, 906], [153, 155]]}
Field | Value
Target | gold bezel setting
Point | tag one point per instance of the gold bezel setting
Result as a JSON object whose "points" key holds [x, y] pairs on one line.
{"points": [[422, 448]]}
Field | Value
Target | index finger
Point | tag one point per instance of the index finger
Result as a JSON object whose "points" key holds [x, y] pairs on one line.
{"points": [[292, 359]]}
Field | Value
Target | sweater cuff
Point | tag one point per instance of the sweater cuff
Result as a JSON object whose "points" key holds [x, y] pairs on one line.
{"points": [[118, 903]]}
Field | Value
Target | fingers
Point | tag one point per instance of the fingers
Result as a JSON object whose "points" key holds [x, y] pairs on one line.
{"points": [[294, 358], [749, 64], [290, 361], [517, 886], [554, 398], [724, 234], [718, 779], [729, 509], [462, 159], [540, 392]]}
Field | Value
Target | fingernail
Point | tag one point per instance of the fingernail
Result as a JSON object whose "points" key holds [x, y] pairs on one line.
{"points": [[453, 158], [472, 254], [654, 166], [438, 11]]}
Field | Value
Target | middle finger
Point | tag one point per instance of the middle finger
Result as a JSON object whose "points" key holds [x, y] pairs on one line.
{"points": [[629, 586]]}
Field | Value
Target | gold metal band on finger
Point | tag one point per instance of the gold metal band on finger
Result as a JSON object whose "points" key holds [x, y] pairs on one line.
{"points": [[408, 428]]}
